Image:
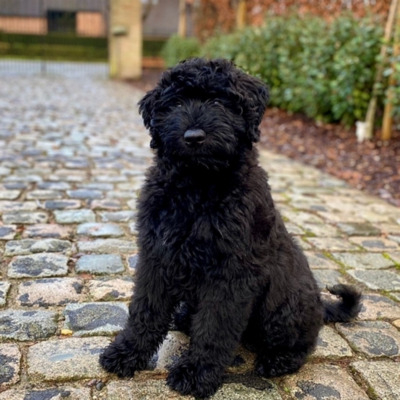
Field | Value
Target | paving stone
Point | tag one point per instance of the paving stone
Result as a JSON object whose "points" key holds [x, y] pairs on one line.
{"points": [[395, 256], [49, 292], [54, 185], [326, 278], [382, 376], [321, 381], [25, 217], [47, 231], [375, 243], [158, 390], [320, 261], [27, 325], [74, 216], [38, 265], [117, 216], [106, 289], [30, 246], [62, 204], [363, 261], [57, 393], [85, 194], [89, 319], [4, 288], [7, 232], [66, 359], [107, 246], [44, 195], [372, 338], [9, 194], [375, 306], [321, 230], [331, 345], [7, 206], [332, 244], [358, 229], [100, 264], [100, 230], [293, 229], [171, 349], [106, 204], [132, 262], [10, 359], [378, 280]]}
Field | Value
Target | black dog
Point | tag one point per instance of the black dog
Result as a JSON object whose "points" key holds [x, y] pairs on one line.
{"points": [[211, 243]]}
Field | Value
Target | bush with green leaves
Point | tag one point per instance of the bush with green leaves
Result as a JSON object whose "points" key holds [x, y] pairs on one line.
{"points": [[179, 48], [324, 70]]}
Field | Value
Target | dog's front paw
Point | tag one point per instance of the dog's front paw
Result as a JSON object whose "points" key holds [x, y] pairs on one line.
{"points": [[120, 358], [195, 379]]}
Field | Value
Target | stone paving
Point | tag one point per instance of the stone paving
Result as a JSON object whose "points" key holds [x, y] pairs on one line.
{"points": [[73, 153]]}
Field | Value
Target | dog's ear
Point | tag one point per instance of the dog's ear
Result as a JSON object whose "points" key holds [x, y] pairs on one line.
{"points": [[254, 96], [146, 109], [146, 106]]}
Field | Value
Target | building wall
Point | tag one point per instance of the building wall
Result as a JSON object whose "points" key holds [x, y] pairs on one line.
{"points": [[90, 24], [28, 25]]}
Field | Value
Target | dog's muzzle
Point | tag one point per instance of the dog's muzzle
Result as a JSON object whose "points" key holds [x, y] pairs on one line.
{"points": [[194, 137]]}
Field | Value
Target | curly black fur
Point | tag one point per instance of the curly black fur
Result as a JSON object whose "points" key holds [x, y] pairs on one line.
{"points": [[211, 243]]}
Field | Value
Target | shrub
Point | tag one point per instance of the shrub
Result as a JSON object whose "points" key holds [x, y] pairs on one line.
{"points": [[325, 70], [177, 49]]}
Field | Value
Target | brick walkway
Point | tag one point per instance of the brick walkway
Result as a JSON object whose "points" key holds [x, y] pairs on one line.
{"points": [[72, 156]]}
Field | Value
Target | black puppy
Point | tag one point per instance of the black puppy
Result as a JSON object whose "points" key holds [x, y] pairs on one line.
{"points": [[211, 242]]}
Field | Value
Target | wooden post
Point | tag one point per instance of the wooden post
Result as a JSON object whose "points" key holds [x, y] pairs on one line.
{"points": [[387, 122], [182, 24], [125, 39], [241, 15], [370, 118]]}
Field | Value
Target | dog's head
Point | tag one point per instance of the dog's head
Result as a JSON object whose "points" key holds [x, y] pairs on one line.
{"points": [[204, 113]]}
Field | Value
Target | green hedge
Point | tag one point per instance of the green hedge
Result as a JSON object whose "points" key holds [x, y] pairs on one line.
{"points": [[58, 46], [324, 70]]}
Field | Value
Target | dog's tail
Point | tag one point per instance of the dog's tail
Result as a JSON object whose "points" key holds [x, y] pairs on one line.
{"points": [[347, 308]]}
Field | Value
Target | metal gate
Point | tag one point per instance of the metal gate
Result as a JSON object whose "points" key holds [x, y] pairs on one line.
{"points": [[53, 36]]}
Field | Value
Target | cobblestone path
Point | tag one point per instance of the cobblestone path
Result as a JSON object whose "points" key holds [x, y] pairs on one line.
{"points": [[72, 156]]}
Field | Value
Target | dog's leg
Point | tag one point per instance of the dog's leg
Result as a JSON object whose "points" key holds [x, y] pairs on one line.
{"points": [[149, 317], [216, 329]]}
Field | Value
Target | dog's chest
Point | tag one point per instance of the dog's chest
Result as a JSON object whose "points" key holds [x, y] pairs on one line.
{"points": [[193, 229]]}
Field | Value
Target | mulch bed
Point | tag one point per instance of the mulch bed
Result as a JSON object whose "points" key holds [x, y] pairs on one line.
{"points": [[372, 166]]}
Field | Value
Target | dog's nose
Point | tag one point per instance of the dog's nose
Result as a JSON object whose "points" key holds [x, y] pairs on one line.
{"points": [[194, 137]]}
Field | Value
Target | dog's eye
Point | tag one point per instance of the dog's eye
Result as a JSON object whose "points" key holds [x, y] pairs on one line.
{"points": [[216, 102], [178, 104]]}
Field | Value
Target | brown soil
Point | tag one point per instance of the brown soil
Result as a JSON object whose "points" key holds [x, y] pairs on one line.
{"points": [[372, 166]]}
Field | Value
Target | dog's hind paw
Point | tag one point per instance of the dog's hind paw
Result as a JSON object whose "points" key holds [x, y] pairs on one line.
{"points": [[200, 381]]}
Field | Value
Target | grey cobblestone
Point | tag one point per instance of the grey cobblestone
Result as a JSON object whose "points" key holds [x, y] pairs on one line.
{"points": [[373, 338], [90, 319], [100, 264], [29, 246], [27, 325], [383, 377], [74, 216], [25, 217], [4, 288], [49, 292], [107, 246], [7, 232], [73, 153], [38, 265], [10, 360], [68, 359], [100, 230]]}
